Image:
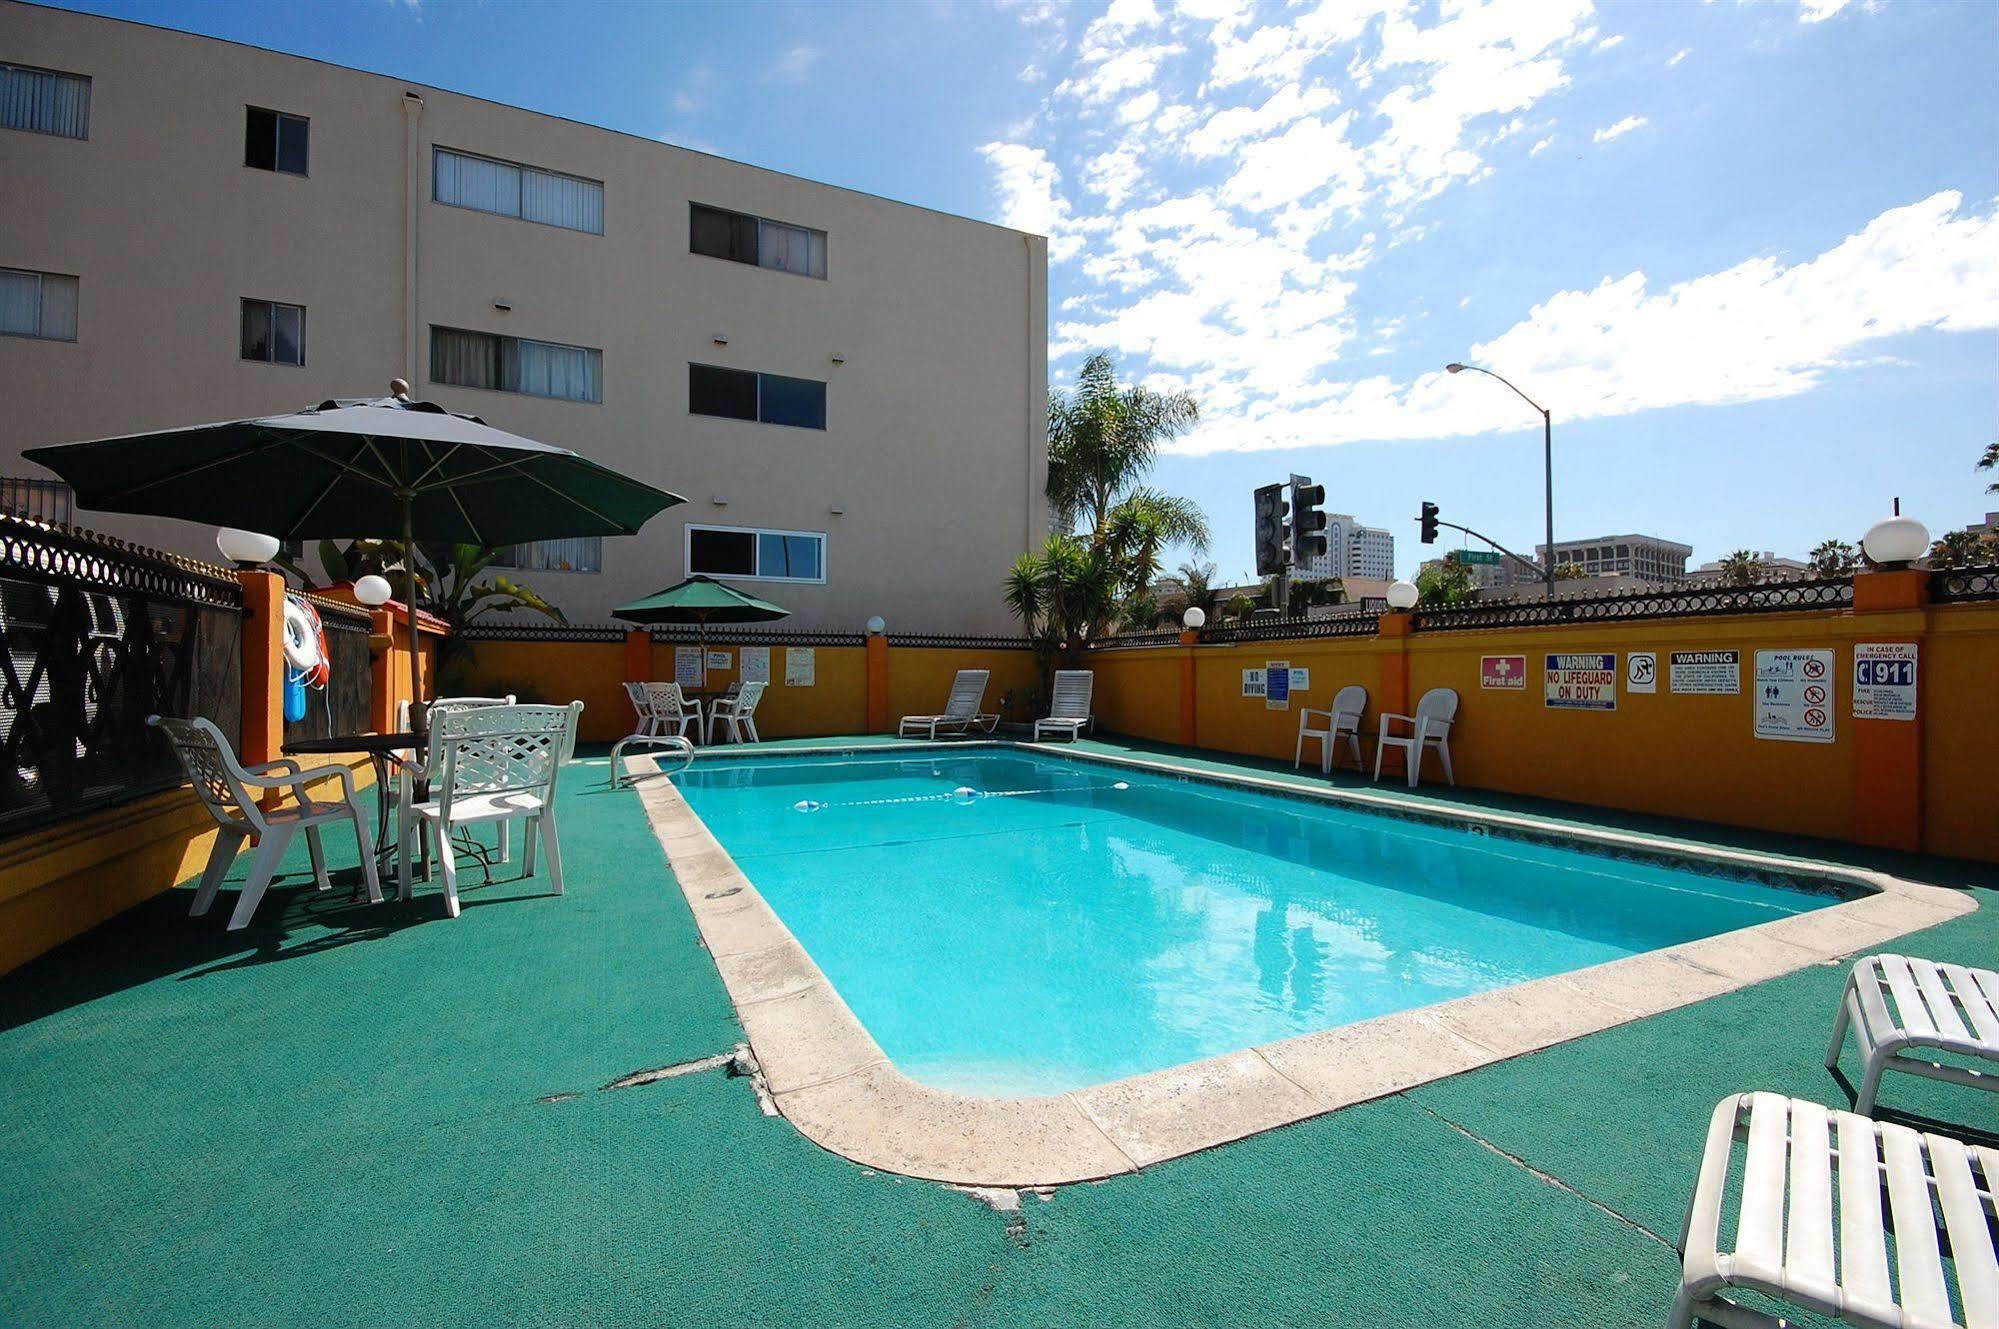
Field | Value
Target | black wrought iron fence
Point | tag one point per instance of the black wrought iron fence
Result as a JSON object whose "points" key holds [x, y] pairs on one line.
{"points": [[1956, 585], [98, 635], [1679, 602]]}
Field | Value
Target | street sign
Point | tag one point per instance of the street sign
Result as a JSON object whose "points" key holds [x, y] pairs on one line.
{"points": [[1478, 556]]}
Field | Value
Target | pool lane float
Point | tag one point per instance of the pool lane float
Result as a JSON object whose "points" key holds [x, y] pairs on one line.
{"points": [[306, 662]]}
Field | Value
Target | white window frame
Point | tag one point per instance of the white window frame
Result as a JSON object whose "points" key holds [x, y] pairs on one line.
{"points": [[83, 79], [816, 238], [756, 545], [518, 214], [41, 303]]}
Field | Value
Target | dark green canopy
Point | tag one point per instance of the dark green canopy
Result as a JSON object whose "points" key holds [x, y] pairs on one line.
{"points": [[701, 600]]}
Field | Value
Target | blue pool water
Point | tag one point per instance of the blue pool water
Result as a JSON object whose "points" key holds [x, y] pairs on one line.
{"points": [[1068, 923]]}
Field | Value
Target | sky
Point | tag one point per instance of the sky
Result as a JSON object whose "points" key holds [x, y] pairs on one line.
{"points": [[1746, 253]]}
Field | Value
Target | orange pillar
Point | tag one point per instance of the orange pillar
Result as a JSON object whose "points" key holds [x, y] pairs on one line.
{"points": [[1392, 637], [1888, 754], [382, 671], [1189, 719], [263, 653], [877, 683], [638, 657]]}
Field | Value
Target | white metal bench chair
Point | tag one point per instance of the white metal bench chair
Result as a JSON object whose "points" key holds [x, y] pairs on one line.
{"points": [[961, 709], [223, 785], [663, 709], [737, 714], [1343, 720], [1810, 1227], [496, 764], [1069, 709], [1895, 1003], [1430, 728]]}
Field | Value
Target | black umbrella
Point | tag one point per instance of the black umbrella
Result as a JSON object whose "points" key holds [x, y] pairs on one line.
{"points": [[381, 468]]}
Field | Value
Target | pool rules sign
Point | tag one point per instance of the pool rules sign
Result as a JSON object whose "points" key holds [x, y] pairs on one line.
{"points": [[1794, 696]]}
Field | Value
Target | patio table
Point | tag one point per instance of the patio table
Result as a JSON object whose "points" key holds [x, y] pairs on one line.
{"points": [[381, 749]]}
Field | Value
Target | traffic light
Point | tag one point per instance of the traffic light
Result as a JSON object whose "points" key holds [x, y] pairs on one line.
{"points": [[1429, 523], [1270, 512], [1308, 524]]}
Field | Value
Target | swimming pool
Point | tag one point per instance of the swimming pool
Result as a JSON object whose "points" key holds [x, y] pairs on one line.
{"points": [[1006, 922]]}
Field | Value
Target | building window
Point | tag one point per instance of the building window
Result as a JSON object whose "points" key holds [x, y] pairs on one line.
{"points": [[772, 399], [43, 101], [582, 554], [738, 551], [274, 141], [510, 190], [273, 333], [515, 364], [742, 238], [37, 304], [38, 500]]}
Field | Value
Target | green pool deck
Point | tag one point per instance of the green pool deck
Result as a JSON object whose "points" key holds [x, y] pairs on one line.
{"points": [[353, 1114]]}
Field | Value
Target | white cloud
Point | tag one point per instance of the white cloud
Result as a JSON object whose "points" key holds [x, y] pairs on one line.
{"points": [[1818, 11], [1611, 133], [793, 64], [1610, 42], [1541, 146], [1754, 331], [1678, 56], [1113, 175], [1228, 129], [1029, 190]]}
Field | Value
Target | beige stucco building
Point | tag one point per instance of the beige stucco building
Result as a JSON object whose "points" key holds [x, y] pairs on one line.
{"points": [[851, 392]]}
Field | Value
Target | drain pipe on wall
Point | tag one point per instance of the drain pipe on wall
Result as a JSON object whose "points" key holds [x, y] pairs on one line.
{"points": [[412, 187]]}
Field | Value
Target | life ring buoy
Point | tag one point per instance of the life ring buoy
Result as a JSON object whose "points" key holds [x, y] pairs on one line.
{"points": [[305, 642]]}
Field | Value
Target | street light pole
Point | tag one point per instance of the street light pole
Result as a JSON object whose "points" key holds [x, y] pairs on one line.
{"points": [[1547, 465]]}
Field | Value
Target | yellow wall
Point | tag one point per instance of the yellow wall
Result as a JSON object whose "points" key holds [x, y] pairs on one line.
{"points": [[556, 672], [57, 882], [836, 703], [1960, 687], [920, 677]]}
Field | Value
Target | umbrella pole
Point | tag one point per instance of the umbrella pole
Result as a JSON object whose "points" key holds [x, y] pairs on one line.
{"points": [[419, 720]]}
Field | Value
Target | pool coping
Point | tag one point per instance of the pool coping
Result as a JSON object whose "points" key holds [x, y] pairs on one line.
{"points": [[833, 1083]]}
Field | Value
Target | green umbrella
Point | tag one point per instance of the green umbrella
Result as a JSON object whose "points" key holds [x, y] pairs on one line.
{"points": [[700, 600], [381, 468]]}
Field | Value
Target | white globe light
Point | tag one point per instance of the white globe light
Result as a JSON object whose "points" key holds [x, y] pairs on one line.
{"points": [[372, 590], [245, 546], [1896, 540], [877, 626], [1195, 618], [1403, 595]]}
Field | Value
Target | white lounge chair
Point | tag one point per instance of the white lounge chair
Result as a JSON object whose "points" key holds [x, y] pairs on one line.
{"points": [[223, 784], [495, 764], [1069, 712], [738, 713], [1809, 1173], [1896, 1002], [1429, 728], [961, 710], [1349, 704]]}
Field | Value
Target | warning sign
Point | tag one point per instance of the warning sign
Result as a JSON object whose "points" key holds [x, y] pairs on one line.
{"points": [[1252, 682], [1277, 685], [1710, 673], [1641, 671], [1794, 695], [1581, 682], [1503, 673], [1884, 681]]}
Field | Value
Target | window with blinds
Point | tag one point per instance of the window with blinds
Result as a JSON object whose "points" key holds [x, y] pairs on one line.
{"points": [[36, 499], [742, 238], [37, 304], [507, 189], [516, 364], [44, 101], [582, 554]]}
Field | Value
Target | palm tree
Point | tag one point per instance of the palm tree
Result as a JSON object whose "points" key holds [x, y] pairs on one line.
{"points": [[1834, 558], [1741, 568], [1960, 549], [452, 581], [1103, 439], [1990, 462]]}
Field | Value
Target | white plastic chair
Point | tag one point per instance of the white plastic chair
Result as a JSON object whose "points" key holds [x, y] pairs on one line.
{"points": [[1896, 1004], [1069, 711], [737, 713], [1349, 704], [1429, 728], [1896, 1198], [664, 709], [411, 769], [961, 709], [223, 784], [495, 764]]}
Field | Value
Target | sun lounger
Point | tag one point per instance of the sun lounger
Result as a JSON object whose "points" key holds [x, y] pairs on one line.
{"points": [[961, 710], [1895, 1003]]}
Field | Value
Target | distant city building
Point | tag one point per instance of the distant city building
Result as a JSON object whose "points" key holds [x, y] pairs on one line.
{"points": [[1352, 550], [1508, 574], [1645, 558], [1769, 567]]}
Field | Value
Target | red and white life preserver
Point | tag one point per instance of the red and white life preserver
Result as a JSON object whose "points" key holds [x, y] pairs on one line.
{"points": [[305, 642]]}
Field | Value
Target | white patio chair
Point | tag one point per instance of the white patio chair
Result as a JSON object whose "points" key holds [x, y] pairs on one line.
{"points": [[961, 709], [1429, 728], [1809, 1173], [666, 710], [1895, 1003], [223, 785], [1349, 704], [1069, 712], [411, 768], [737, 713], [496, 764]]}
